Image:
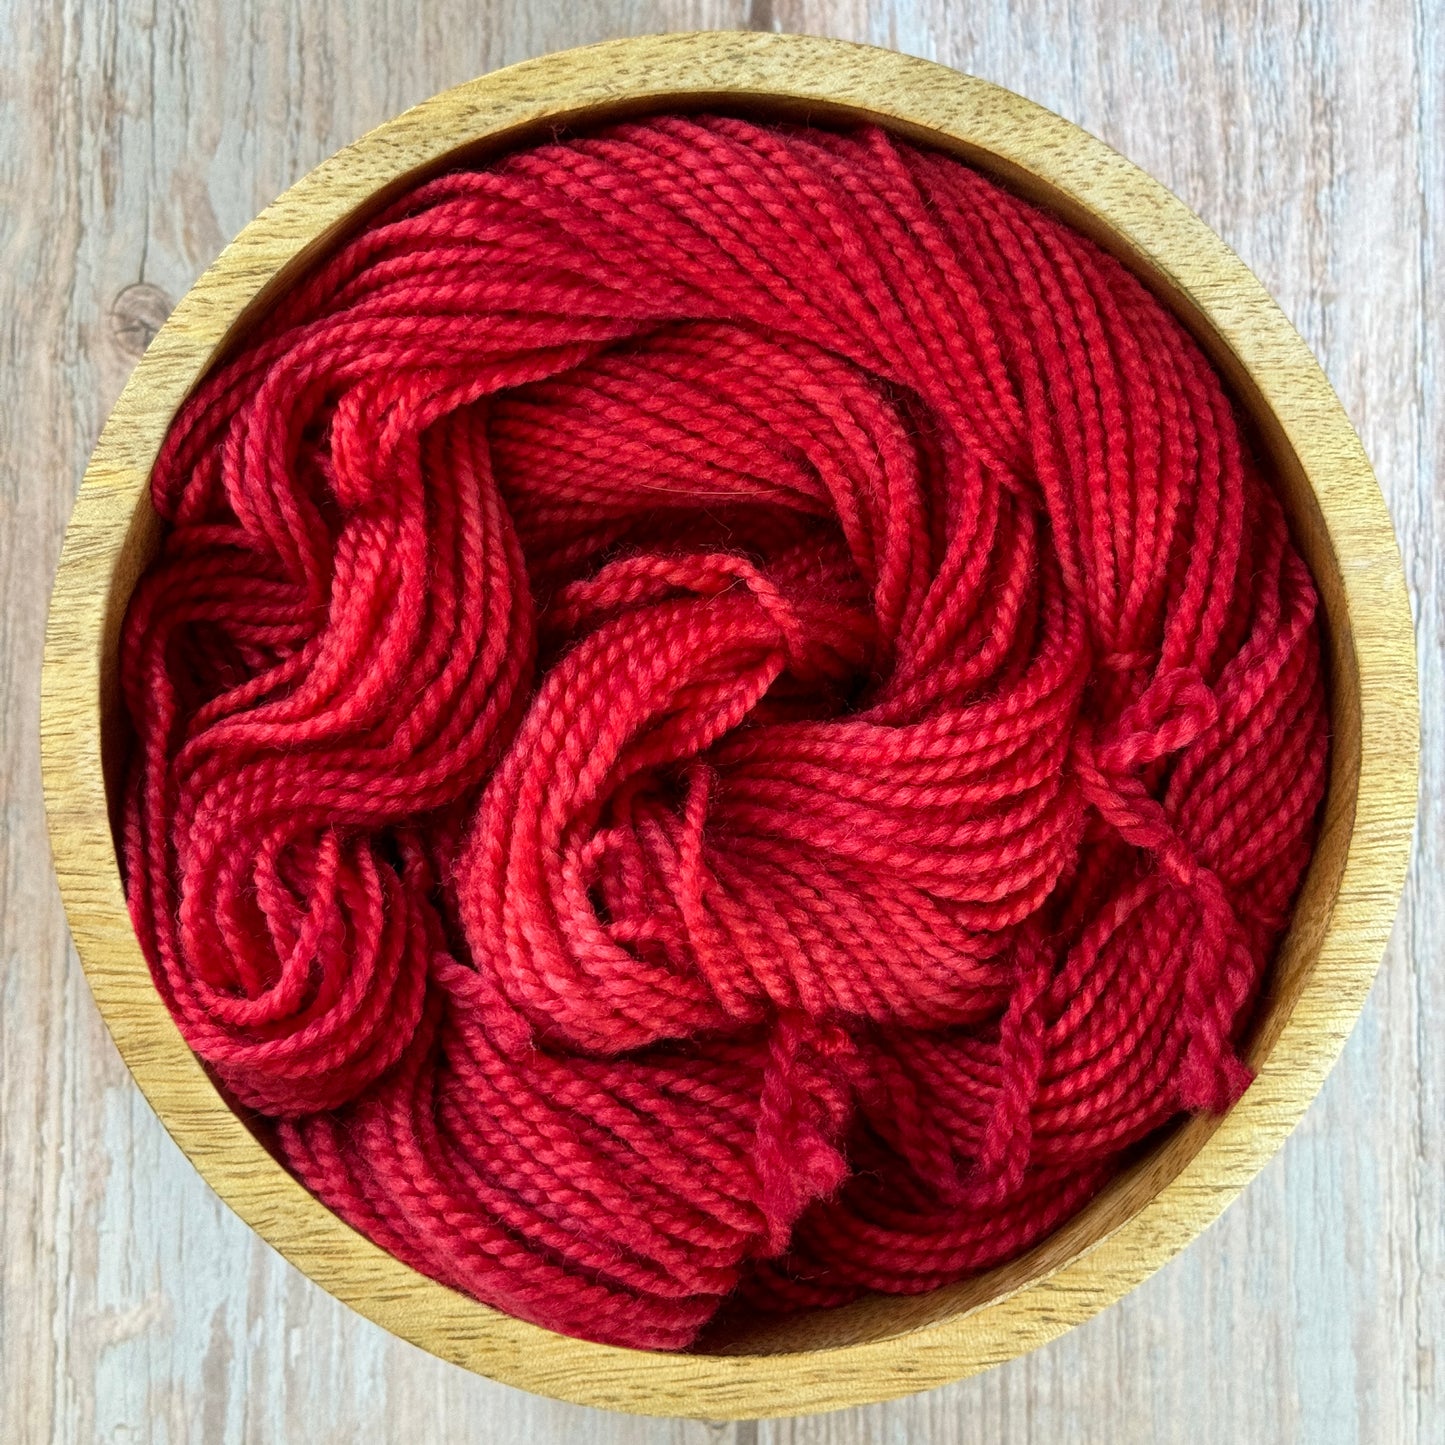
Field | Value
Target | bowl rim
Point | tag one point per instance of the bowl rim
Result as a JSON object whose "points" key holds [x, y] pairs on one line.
{"points": [[1326, 966]]}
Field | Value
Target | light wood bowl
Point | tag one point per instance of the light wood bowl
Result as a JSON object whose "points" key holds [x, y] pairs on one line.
{"points": [[878, 1347]]}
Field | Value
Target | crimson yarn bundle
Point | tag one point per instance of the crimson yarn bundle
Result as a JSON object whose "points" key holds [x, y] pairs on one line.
{"points": [[722, 712]]}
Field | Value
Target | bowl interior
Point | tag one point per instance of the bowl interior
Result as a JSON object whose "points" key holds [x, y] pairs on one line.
{"points": [[1158, 1162]]}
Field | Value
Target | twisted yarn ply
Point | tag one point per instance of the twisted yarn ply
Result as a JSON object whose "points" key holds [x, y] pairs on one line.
{"points": [[723, 711]]}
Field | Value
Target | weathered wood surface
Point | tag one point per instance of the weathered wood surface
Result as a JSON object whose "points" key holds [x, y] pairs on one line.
{"points": [[133, 143]]}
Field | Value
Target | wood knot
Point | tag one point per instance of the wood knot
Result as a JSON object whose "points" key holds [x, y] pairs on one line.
{"points": [[136, 314]]}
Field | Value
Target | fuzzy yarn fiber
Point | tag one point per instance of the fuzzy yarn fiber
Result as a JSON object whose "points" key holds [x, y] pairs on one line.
{"points": [[724, 712]]}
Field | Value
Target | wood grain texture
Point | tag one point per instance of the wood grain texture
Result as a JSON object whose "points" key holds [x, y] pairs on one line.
{"points": [[132, 1305]]}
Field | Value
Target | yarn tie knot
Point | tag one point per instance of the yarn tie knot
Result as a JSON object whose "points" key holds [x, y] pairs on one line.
{"points": [[1171, 714]]}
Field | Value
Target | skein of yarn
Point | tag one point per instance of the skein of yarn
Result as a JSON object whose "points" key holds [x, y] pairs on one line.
{"points": [[723, 713]]}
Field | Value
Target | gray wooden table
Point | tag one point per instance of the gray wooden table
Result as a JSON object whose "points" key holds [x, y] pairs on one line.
{"points": [[135, 139]]}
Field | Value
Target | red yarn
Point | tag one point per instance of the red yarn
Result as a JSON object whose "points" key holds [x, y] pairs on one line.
{"points": [[721, 709]]}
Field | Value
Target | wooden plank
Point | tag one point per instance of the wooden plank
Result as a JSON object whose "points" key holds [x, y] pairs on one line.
{"points": [[132, 143]]}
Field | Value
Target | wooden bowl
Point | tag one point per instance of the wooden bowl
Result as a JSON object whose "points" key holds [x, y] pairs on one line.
{"points": [[878, 1347]]}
